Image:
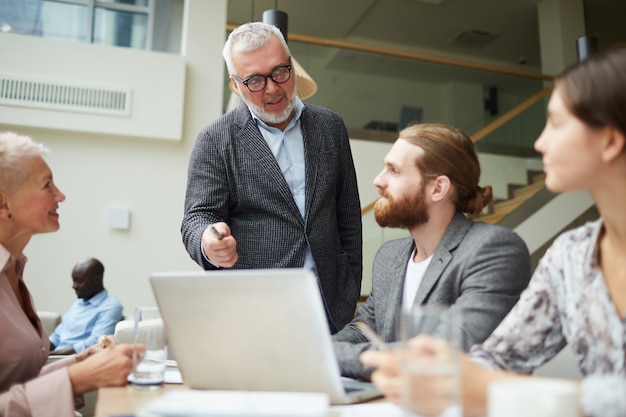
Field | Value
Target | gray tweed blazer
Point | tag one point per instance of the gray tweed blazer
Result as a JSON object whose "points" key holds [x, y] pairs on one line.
{"points": [[233, 177], [479, 267]]}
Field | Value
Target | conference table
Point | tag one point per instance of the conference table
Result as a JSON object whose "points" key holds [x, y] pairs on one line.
{"points": [[125, 401]]}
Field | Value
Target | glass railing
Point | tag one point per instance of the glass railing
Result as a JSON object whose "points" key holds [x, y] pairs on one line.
{"points": [[382, 92], [516, 136]]}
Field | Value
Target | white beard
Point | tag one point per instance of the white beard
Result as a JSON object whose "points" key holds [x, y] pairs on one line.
{"points": [[272, 118]]}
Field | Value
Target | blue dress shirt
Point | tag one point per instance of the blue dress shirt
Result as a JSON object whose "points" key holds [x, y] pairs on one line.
{"points": [[85, 321]]}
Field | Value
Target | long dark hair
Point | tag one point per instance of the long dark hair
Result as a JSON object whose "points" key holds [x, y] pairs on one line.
{"points": [[594, 90]]}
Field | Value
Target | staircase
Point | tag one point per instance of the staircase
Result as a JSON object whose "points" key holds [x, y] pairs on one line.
{"points": [[518, 194]]}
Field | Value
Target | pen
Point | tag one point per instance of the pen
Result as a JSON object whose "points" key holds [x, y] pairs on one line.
{"points": [[372, 336], [217, 234]]}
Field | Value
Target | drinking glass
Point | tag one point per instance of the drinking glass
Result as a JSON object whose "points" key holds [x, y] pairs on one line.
{"points": [[431, 371], [150, 352]]}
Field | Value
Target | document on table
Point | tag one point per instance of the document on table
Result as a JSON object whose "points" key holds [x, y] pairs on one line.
{"points": [[196, 403], [173, 376], [367, 410], [380, 410]]}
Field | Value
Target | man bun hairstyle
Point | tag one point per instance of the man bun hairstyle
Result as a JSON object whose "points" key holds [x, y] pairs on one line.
{"points": [[449, 152]]}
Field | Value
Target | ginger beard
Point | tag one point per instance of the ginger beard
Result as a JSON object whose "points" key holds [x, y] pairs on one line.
{"points": [[406, 212]]}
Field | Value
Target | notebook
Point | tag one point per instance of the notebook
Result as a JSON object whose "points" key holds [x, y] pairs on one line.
{"points": [[253, 330]]}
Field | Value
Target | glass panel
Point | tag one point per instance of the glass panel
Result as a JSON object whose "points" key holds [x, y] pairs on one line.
{"points": [[369, 89], [379, 94], [47, 19], [120, 28], [517, 136]]}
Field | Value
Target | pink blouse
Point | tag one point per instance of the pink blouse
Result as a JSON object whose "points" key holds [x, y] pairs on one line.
{"points": [[27, 387]]}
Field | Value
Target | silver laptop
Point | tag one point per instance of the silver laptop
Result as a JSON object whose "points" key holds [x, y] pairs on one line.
{"points": [[254, 330]]}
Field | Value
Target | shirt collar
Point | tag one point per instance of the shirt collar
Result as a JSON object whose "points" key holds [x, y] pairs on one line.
{"points": [[5, 257], [96, 299]]}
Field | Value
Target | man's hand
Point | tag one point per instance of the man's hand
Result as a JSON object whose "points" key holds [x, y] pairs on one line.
{"points": [[219, 246]]}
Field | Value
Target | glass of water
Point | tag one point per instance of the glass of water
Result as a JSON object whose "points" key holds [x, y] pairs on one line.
{"points": [[150, 353], [430, 367]]}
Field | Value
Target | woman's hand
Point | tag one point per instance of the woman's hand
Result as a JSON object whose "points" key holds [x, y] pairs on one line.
{"points": [[428, 393], [103, 343], [387, 374], [104, 368]]}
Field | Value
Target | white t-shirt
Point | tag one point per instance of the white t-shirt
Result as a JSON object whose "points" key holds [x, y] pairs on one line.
{"points": [[414, 274]]}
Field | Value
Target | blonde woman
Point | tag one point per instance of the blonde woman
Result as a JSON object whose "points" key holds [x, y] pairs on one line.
{"points": [[29, 200]]}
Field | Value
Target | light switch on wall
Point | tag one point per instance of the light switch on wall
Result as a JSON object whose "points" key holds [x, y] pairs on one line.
{"points": [[119, 218]]}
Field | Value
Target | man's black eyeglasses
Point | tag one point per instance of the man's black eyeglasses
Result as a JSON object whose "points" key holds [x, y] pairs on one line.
{"points": [[258, 82]]}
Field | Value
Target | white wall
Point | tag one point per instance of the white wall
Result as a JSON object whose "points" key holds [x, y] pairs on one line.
{"points": [[552, 218], [146, 175], [153, 83]]}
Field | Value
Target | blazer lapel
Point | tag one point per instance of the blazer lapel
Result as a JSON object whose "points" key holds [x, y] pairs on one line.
{"points": [[250, 137], [312, 154], [397, 275], [453, 236]]}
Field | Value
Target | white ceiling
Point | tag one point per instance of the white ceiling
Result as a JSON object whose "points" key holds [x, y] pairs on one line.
{"points": [[425, 26]]}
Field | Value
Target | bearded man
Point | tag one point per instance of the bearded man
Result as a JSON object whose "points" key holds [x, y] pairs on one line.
{"points": [[428, 183]]}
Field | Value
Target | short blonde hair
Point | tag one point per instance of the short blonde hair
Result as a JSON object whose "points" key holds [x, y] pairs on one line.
{"points": [[14, 151]]}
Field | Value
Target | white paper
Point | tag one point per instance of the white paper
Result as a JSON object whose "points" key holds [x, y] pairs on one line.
{"points": [[172, 376], [380, 410], [367, 410]]}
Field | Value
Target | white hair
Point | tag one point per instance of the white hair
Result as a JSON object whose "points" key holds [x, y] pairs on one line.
{"points": [[14, 151], [250, 37]]}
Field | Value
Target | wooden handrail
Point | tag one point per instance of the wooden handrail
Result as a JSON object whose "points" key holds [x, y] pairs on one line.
{"points": [[333, 43], [369, 207], [511, 114]]}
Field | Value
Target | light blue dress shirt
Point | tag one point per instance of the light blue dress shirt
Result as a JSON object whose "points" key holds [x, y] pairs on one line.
{"points": [[85, 321], [288, 149]]}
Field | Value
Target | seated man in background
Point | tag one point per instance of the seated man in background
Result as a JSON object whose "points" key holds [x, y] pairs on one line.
{"points": [[429, 180], [94, 314]]}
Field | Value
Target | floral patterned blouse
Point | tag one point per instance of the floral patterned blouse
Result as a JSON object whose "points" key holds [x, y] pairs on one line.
{"points": [[567, 302]]}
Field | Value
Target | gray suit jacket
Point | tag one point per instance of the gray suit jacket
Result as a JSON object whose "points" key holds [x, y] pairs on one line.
{"points": [[479, 267], [234, 177]]}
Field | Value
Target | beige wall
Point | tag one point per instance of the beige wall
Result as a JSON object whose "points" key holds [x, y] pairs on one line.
{"points": [[146, 175]]}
